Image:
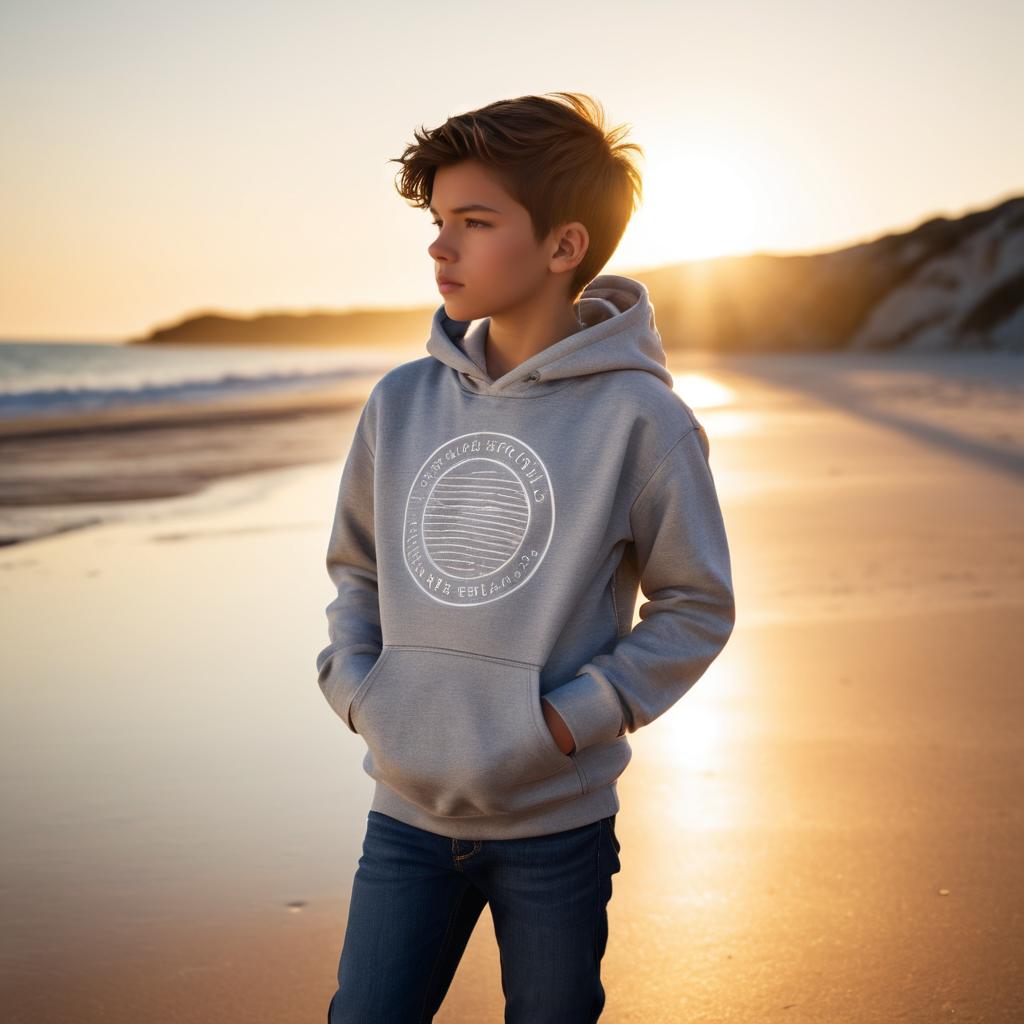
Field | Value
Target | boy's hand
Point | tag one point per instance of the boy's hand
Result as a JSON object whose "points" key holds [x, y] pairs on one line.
{"points": [[558, 729]]}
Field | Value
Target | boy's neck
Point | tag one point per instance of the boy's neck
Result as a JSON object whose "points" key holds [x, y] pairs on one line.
{"points": [[509, 343]]}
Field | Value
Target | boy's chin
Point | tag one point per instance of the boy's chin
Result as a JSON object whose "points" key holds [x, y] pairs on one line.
{"points": [[457, 310]]}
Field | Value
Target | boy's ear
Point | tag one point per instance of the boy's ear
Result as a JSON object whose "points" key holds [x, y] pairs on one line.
{"points": [[577, 241]]}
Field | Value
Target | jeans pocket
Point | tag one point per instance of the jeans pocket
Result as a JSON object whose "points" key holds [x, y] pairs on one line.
{"points": [[460, 735]]}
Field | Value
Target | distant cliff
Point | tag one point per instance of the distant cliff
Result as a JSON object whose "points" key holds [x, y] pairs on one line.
{"points": [[945, 285], [354, 327]]}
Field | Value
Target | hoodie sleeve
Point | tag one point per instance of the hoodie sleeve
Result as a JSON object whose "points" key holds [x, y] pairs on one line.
{"points": [[353, 616], [686, 576]]}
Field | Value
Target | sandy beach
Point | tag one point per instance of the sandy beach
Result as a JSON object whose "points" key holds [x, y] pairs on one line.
{"points": [[825, 829]]}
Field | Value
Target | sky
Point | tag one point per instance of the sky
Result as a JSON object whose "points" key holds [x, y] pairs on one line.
{"points": [[162, 160]]}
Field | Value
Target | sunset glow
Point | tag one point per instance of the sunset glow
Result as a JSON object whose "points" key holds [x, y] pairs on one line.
{"points": [[699, 202]]}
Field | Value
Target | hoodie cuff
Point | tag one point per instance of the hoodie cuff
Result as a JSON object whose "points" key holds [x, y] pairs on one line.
{"points": [[589, 705], [341, 675]]}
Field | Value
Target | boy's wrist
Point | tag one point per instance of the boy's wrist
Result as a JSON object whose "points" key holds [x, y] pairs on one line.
{"points": [[590, 708], [557, 727]]}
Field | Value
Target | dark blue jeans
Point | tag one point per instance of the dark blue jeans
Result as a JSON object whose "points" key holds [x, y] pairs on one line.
{"points": [[417, 895]]}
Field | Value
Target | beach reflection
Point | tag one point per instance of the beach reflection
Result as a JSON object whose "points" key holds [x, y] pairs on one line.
{"points": [[701, 391]]}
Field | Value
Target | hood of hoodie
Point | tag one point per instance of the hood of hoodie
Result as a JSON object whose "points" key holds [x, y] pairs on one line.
{"points": [[619, 334]]}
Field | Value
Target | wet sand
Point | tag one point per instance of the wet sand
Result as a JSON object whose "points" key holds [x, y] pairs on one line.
{"points": [[66, 472], [826, 828]]}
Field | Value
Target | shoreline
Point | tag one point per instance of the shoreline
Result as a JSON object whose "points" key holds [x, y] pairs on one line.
{"points": [[136, 461], [74, 470], [250, 404]]}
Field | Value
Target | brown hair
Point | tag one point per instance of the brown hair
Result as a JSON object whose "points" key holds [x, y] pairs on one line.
{"points": [[555, 158]]}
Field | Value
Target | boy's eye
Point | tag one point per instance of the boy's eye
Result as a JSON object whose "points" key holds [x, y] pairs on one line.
{"points": [[469, 220]]}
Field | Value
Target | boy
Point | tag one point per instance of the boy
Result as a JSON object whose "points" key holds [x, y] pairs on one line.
{"points": [[502, 500]]}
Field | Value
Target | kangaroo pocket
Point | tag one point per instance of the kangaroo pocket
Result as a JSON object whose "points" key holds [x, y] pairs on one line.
{"points": [[460, 735]]}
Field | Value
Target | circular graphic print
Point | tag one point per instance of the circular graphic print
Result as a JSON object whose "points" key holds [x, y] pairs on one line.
{"points": [[479, 518]]}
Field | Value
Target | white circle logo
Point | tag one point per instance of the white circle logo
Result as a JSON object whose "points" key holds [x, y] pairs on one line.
{"points": [[479, 519]]}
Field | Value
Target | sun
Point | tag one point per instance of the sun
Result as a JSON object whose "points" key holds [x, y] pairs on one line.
{"points": [[698, 203]]}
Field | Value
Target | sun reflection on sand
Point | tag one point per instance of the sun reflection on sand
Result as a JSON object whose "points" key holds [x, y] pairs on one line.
{"points": [[696, 745], [717, 404], [700, 391]]}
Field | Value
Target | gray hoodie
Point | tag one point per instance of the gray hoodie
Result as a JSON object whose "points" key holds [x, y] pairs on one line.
{"points": [[489, 540]]}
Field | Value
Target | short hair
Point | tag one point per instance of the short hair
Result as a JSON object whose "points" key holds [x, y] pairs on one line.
{"points": [[555, 158]]}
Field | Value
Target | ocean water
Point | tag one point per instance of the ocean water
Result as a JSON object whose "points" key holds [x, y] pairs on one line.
{"points": [[38, 379]]}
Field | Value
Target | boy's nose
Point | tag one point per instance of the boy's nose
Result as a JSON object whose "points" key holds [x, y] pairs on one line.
{"points": [[439, 251]]}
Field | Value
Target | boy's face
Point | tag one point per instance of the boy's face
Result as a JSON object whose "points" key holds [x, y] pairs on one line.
{"points": [[493, 255]]}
